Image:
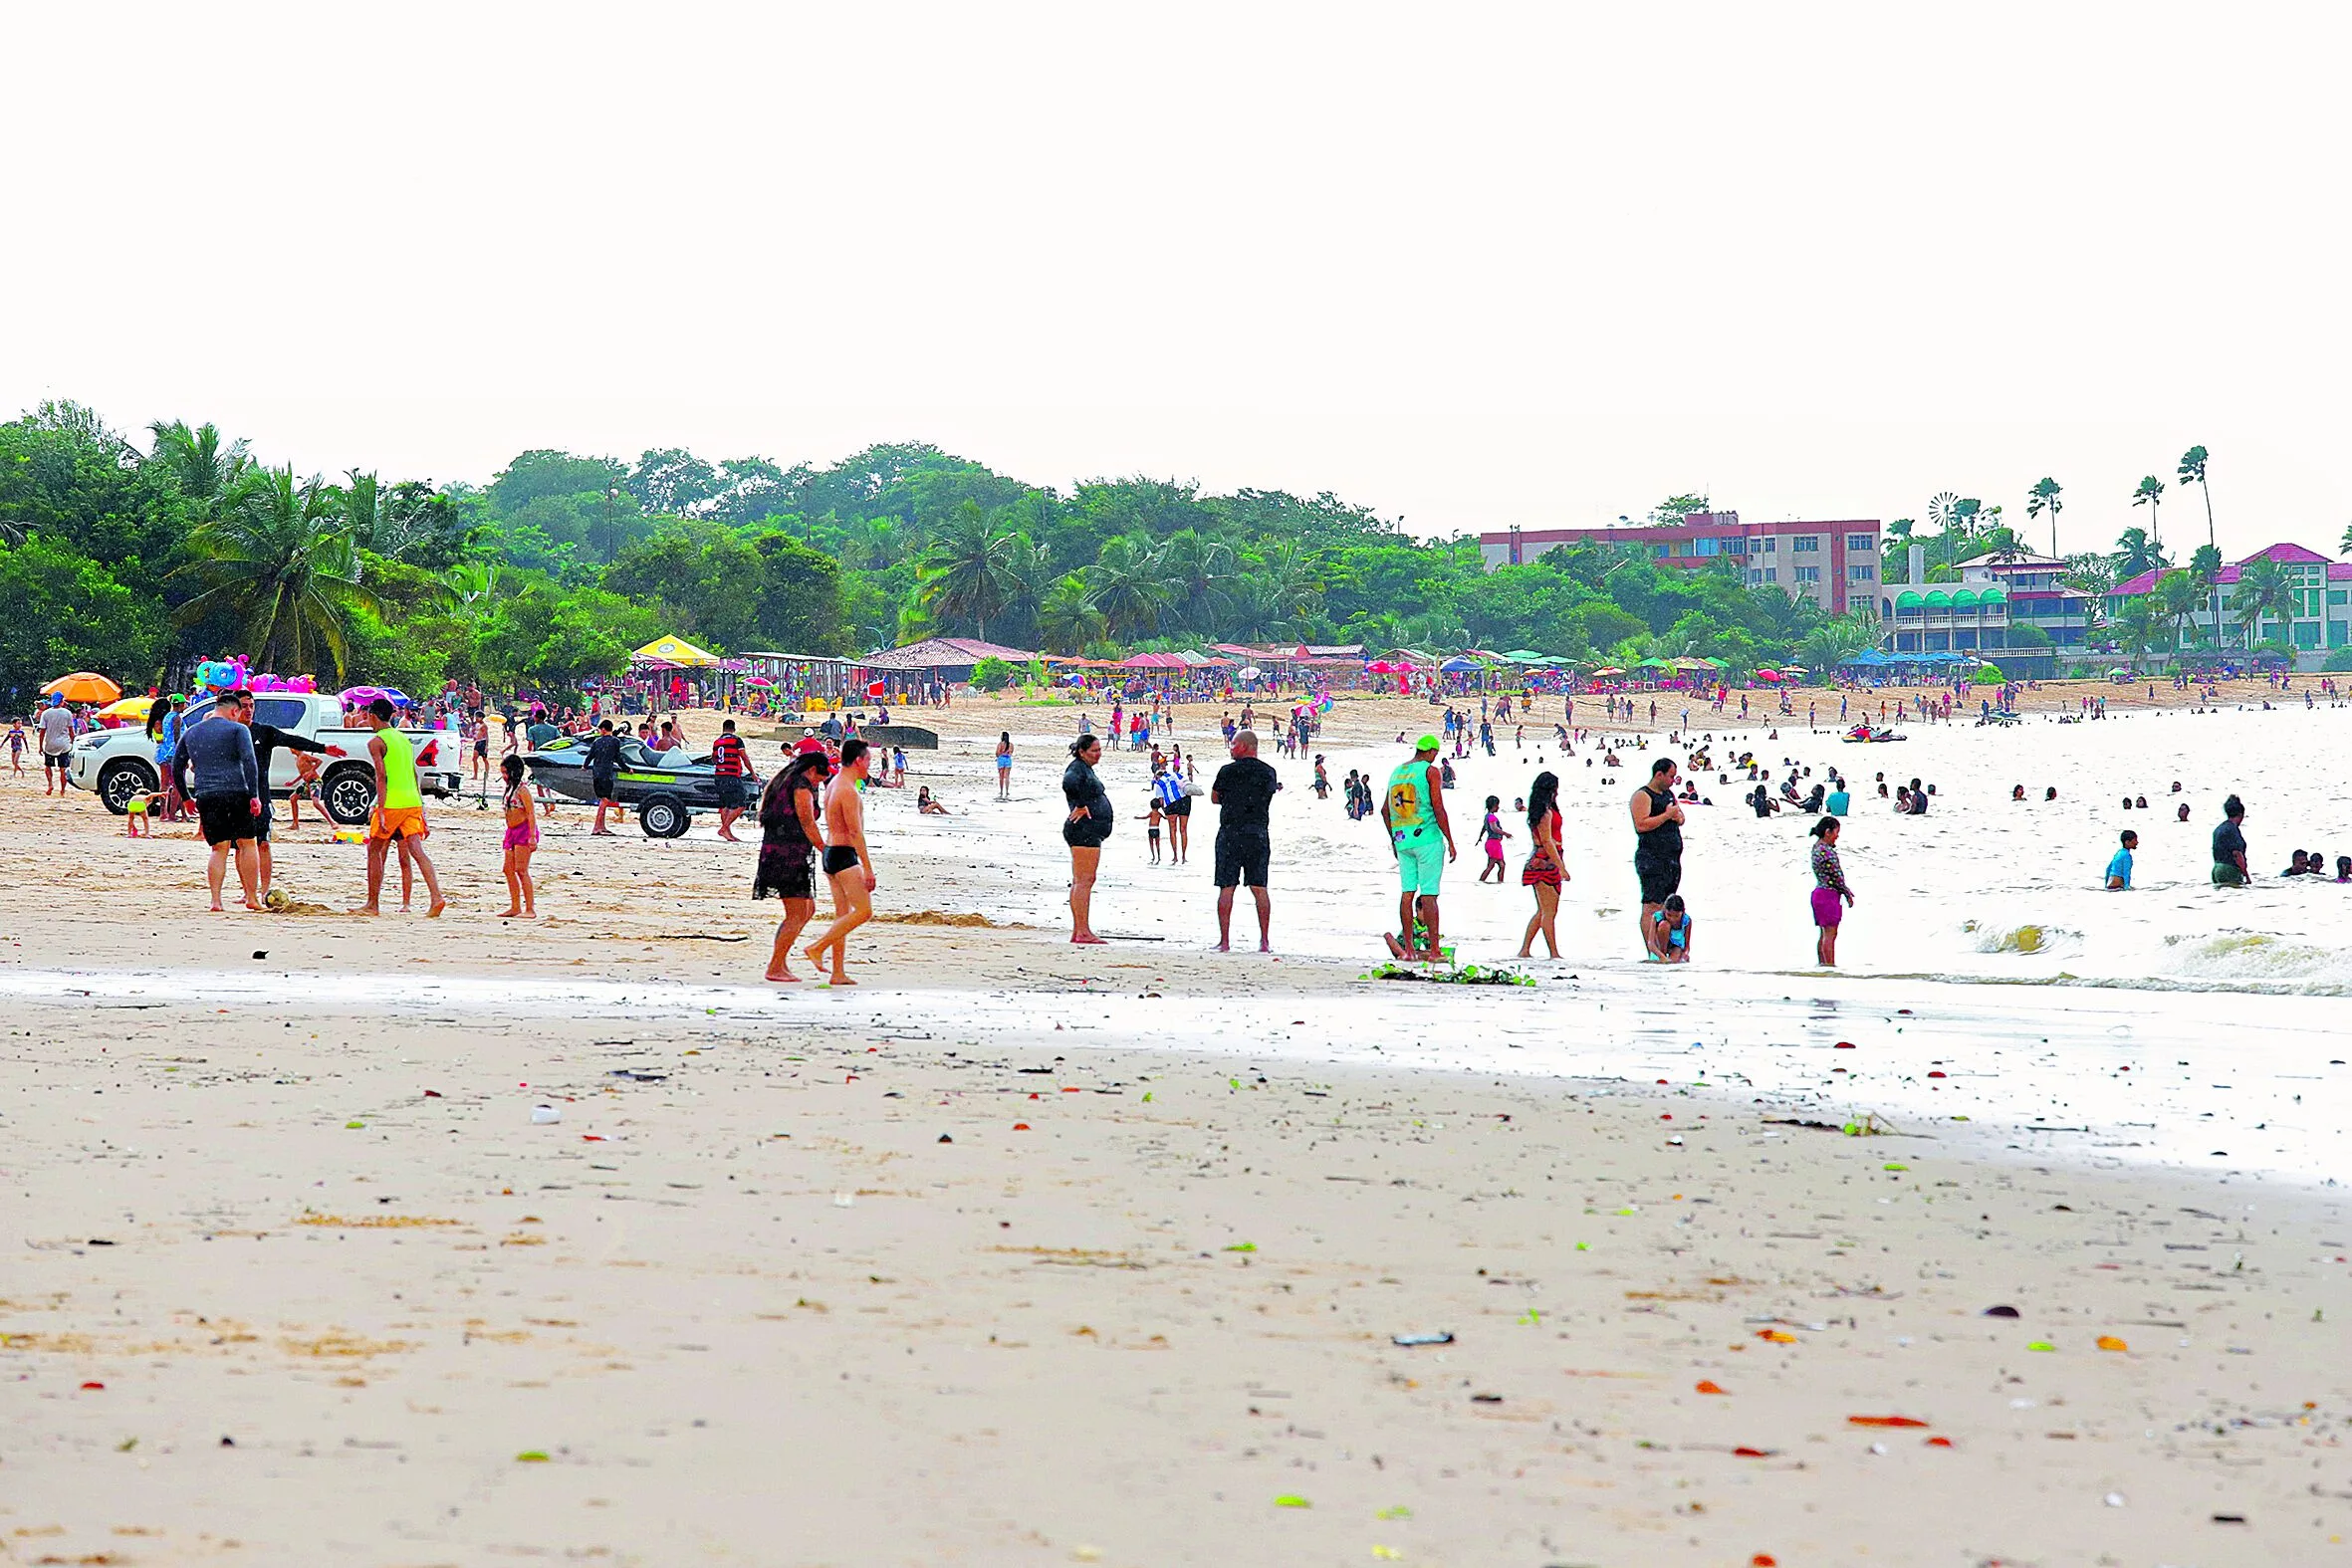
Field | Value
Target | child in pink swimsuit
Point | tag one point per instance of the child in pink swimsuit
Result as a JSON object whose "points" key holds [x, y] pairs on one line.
{"points": [[521, 840]]}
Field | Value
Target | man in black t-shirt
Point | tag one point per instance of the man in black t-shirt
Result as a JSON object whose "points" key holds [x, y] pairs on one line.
{"points": [[1243, 793], [603, 761]]}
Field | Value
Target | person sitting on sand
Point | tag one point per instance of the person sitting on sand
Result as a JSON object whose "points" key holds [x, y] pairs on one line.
{"points": [[927, 804]]}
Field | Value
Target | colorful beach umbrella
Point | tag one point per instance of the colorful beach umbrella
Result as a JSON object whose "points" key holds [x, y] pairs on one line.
{"points": [[83, 686]]}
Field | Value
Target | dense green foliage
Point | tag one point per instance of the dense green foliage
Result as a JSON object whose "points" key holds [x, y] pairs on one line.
{"points": [[138, 561]]}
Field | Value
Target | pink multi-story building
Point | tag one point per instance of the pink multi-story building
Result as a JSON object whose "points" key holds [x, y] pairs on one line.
{"points": [[1829, 563]]}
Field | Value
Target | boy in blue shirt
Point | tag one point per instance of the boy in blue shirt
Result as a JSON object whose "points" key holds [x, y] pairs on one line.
{"points": [[2119, 869]]}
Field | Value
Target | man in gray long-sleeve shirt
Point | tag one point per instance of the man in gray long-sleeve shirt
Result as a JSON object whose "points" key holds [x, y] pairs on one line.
{"points": [[219, 771]]}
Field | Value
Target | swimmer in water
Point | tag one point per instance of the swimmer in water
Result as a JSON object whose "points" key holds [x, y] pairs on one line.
{"points": [[2119, 869]]}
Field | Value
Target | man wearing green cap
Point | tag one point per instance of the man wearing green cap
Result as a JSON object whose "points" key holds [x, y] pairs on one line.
{"points": [[1422, 838]]}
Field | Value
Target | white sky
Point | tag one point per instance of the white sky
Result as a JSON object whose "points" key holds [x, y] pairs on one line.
{"points": [[1471, 265]]}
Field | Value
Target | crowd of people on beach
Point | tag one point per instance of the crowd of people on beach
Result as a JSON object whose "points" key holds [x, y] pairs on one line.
{"points": [[811, 819]]}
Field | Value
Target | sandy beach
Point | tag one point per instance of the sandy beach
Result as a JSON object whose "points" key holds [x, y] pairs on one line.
{"points": [[1023, 1254]]}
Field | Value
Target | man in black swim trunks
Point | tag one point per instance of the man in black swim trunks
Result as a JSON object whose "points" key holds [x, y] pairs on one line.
{"points": [[603, 761], [1657, 850], [848, 863]]}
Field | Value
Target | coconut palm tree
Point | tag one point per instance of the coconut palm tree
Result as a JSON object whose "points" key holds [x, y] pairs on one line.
{"points": [[968, 574], [1067, 618], [276, 557], [2135, 552], [1128, 585], [2045, 497], [207, 468], [2137, 626], [2150, 494], [2264, 592], [1200, 569], [2177, 595], [2192, 472]]}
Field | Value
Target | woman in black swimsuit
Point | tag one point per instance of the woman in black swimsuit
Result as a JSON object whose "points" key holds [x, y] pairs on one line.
{"points": [[1085, 829], [790, 833]]}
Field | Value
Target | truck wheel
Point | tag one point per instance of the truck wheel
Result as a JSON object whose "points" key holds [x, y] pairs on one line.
{"points": [[662, 816], [118, 781], [349, 796]]}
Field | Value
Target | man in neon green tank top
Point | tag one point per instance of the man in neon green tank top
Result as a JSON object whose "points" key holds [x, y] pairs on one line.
{"points": [[399, 811], [1422, 837]]}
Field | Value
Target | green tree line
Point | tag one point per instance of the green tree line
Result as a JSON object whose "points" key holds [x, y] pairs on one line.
{"points": [[136, 555]]}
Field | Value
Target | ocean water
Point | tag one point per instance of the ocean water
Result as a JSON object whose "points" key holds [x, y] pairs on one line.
{"points": [[1982, 890], [1987, 984]]}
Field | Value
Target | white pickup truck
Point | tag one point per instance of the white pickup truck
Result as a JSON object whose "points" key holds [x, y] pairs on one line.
{"points": [[116, 764]]}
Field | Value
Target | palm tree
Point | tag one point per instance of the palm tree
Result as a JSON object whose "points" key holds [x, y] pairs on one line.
{"points": [[969, 573], [2192, 472], [2136, 553], [1128, 585], [2150, 494], [2176, 596], [2003, 543], [1199, 569], [2045, 497], [2265, 591], [1292, 576], [2136, 626], [1067, 618], [207, 469], [276, 557], [1029, 564]]}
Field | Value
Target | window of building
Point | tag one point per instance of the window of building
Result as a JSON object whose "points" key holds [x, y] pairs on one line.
{"points": [[1860, 544], [1710, 547], [1804, 543], [1861, 574], [1771, 542], [1771, 574], [1809, 574], [1660, 551]]}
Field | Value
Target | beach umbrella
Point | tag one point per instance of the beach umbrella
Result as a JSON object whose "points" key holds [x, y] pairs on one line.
{"points": [[83, 686], [758, 680], [127, 708], [1250, 672], [1767, 675], [361, 694], [1457, 664], [1611, 670]]}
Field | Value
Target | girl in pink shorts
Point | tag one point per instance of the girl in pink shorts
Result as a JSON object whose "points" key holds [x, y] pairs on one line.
{"points": [[521, 841]]}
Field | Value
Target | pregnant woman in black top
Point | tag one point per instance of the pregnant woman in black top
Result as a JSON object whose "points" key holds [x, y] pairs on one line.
{"points": [[1083, 830]]}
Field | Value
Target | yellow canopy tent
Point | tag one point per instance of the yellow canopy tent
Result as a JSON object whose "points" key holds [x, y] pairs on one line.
{"points": [[675, 650]]}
